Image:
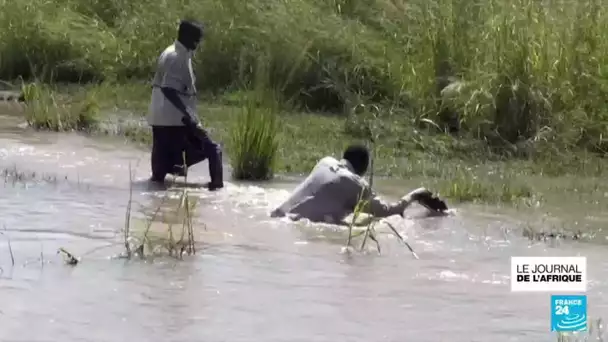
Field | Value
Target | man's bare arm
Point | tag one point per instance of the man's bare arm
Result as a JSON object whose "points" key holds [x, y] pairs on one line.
{"points": [[175, 80], [356, 190], [173, 97]]}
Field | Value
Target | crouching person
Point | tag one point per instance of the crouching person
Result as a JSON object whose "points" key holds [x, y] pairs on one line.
{"points": [[334, 187]]}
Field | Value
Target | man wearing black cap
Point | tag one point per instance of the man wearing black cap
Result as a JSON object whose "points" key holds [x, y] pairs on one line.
{"points": [[333, 189], [172, 113]]}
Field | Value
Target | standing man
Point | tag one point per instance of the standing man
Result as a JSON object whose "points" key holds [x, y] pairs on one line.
{"points": [[333, 189], [172, 113]]}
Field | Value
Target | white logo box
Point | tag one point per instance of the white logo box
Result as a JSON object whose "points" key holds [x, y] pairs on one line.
{"points": [[563, 267]]}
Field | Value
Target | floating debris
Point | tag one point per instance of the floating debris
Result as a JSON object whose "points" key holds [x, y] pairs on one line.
{"points": [[70, 258]]}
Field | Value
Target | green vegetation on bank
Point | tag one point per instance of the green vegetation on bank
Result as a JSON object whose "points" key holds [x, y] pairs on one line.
{"points": [[520, 84], [460, 169]]}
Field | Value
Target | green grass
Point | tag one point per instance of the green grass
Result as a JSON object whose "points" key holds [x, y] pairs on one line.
{"points": [[521, 73], [254, 138], [49, 110], [255, 144], [522, 84]]}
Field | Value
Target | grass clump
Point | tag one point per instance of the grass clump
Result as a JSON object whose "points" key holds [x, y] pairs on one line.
{"points": [[254, 138], [48, 109], [254, 143]]}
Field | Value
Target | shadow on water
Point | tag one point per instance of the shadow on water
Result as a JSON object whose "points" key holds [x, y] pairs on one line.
{"points": [[253, 277]]}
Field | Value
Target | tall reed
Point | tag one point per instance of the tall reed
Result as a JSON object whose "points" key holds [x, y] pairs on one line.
{"points": [[175, 243]]}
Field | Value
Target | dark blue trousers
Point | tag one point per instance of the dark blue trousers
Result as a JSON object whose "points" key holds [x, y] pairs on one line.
{"points": [[168, 144]]}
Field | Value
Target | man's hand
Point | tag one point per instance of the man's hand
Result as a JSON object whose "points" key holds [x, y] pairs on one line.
{"points": [[416, 195], [187, 120]]}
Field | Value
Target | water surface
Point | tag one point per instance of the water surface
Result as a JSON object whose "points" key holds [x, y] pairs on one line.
{"points": [[253, 278]]}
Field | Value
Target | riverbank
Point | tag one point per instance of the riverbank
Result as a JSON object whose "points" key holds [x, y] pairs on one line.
{"points": [[519, 85], [460, 169]]}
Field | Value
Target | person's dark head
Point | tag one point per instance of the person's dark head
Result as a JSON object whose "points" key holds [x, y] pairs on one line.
{"points": [[190, 33], [358, 157]]}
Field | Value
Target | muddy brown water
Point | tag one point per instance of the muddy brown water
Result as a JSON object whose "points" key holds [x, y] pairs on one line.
{"points": [[253, 278]]}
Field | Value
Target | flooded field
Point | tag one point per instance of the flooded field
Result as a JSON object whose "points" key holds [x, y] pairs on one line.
{"points": [[253, 278]]}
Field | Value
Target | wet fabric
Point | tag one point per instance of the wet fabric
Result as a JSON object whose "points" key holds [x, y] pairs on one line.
{"points": [[331, 192], [169, 143]]}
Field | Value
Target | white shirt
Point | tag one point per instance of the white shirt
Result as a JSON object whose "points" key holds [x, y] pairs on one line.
{"points": [[331, 192], [174, 70]]}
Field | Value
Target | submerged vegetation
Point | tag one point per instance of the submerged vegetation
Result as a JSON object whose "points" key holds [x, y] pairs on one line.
{"points": [[158, 235]]}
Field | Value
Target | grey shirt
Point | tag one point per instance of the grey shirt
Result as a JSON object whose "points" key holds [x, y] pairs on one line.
{"points": [[174, 70], [331, 192]]}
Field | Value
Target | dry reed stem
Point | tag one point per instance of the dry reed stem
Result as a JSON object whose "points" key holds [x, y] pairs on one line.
{"points": [[10, 247], [71, 259], [370, 231], [187, 223], [173, 245], [128, 215]]}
